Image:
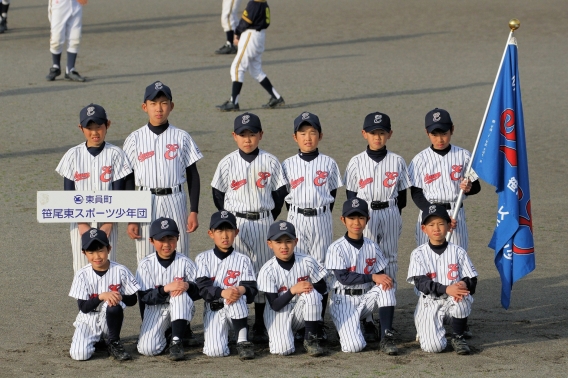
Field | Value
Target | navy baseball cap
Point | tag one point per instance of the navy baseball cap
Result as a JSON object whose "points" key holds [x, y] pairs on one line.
{"points": [[355, 205], [221, 217], [247, 121], [438, 119], [281, 228], [154, 89], [94, 234], [93, 112], [309, 118], [435, 210], [163, 227], [377, 120]]}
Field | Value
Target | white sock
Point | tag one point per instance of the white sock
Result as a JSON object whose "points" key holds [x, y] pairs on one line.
{"points": [[276, 94], [242, 335], [55, 66]]}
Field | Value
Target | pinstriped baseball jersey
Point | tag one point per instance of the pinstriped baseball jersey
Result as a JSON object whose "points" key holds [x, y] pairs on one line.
{"points": [[374, 181], [159, 161], [248, 186], [151, 273], [310, 183], [367, 260], [225, 273], [438, 176]]}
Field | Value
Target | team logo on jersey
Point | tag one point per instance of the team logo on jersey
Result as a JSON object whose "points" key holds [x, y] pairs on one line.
{"points": [[305, 278], [114, 287], [305, 115], [321, 178], [224, 214], [378, 118], [355, 203], [283, 289], [436, 117], [261, 182], [246, 119], [283, 226], [364, 183], [431, 275], [295, 183], [165, 225], [431, 209], [171, 148], [158, 85], [456, 172], [352, 269], [369, 265], [391, 179], [106, 170], [93, 296], [428, 179], [93, 234], [238, 184], [82, 176], [453, 272], [178, 279], [145, 155], [232, 277], [90, 111]]}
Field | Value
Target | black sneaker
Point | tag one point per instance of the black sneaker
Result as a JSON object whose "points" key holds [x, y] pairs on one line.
{"points": [[467, 334], [259, 334], [53, 73], [176, 350], [312, 346], [387, 345], [226, 49], [274, 103], [116, 349], [322, 331], [3, 25], [246, 350], [228, 106], [299, 335], [370, 332], [74, 76], [460, 345]]}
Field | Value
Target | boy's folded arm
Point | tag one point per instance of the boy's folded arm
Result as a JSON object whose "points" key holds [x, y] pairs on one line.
{"points": [[193, 291], [130, 300], [471, 283], [347, 278], [277, 303], [320, 286], [426, 286], [207, 291], [154, 296], [251, 290], [88, 305]]}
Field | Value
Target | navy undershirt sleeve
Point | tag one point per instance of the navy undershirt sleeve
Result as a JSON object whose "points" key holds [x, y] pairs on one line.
{"points": [[207, 291], [130, 300], [278, 196], [279, 302], [333, 193], [88, 305], [68, 184], [419, 199], [129, 182], [350, 194], [218, 199], [347, 278], [401, 200], [193, 187]]}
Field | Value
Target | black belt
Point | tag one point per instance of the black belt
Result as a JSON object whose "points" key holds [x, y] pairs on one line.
{"points": [[446, 205], [216, 305], [251, 215], [350, 291], [310, 212], [164, 191], [378, 205]]}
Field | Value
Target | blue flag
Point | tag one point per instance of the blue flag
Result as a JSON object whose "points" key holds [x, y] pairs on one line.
{"points": [[501, 160]]}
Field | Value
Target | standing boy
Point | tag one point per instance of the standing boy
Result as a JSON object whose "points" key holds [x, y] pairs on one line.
{"points": [[4, 5], [163, 158], [444, 279], [102, 289], [360, 284], [250, 36], [294, 284], [229, 20], [93, 165], [249, 183], [227, 283]]}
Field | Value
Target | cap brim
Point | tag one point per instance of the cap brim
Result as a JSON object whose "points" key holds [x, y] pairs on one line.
{"points": [[354, 211], [153, 95], [377, 127], [446, 218], [160, 235], [92, 240], [442, 126], [314, 124], [214, 226], [252, 129], [97, 120], [280, 234]]}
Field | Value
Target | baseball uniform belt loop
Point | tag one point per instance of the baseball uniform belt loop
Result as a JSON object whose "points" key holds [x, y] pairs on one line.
{"points": [[350, 291], [447, 205], [162, 191], [310, 212], [252, 215]]}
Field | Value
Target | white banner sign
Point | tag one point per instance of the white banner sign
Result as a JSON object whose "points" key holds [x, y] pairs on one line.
{"points": [[68, 206]]}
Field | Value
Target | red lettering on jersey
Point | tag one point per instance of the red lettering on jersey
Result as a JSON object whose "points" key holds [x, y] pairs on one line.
{"points": [[431, 275], [453, 271], [364, 183], [171, 148], [82, 176], [114, 287], [428, 179], [237, 184], [351, 269], [456, 169], [295, 183], [369, 265], [305, 278], [321, 178], [391, 179], [178, 279], [107, 170], [283, 289], [231, 278], [145, 155], [261, 182], [93, 296]]}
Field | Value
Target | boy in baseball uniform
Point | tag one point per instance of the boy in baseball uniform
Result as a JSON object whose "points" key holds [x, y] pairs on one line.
{"points": [[360, 284], [93, 165], [168, 291], [103, 289], [444, 279], [249, 183], [227, 283], [294, 284]]}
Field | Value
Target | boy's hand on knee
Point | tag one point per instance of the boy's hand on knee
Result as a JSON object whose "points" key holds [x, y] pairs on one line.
{"points": [[112, 298], [458, 291], [302, 287], [133, 230], [384, 280]]}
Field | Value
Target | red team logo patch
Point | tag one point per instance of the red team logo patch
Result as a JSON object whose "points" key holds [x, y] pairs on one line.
{"points": [[351, 269], [283, 289], [428, 179], [82, 176], [107, 170], [453, 271], [431, 275], [369, 265], [145, 155], [171, 149], [364, 183], [114, 287], [93, 296], [178, 278], [305, 278], [321, 178], [456, 172], [232, 277], [261, 182], [238, 184], [391, 179], [295, 183]]}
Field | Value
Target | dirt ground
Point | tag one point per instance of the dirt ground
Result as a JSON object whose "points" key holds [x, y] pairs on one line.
{"points": [[338, 59]]}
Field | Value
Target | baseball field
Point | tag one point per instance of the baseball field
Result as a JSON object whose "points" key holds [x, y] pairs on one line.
{"points": [[338, 59]]}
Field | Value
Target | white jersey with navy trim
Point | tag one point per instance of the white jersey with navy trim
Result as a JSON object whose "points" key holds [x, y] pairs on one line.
{"points": [[90, 172]]}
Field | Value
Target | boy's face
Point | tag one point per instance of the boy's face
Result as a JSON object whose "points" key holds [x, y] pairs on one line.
{"points": [[223, 237], [95, 134], [166, 246], [158, 110], [307, 138], [436, 228], [355, 224], [99, 258], [377, 139], [247, 141], [440, 139], [283, 247]]}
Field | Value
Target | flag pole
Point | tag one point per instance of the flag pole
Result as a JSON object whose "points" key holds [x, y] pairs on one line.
{"points": [[514, 24]]}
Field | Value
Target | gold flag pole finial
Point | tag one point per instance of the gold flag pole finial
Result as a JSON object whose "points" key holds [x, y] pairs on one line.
{"points": [[514, 24]]}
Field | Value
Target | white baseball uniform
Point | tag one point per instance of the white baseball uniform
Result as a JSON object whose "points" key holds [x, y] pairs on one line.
{"points": [[230, 14], [282, 325], [66, 18], [381, 181], [160, 161], [347, 310], [226, 273], [439, 177], [431, 311], [93, 173], [309, 185], [248, 187], [90, 327], [158, 317]]}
